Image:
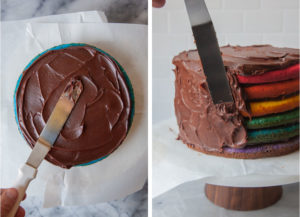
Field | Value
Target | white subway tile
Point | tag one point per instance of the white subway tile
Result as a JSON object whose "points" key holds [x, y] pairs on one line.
{"points": [[160, 21], [213, 4], [168, 45], [282, 40], [179, 22], [244, 39], [227, 22], [291, 21], [177, 44], [163, 89], [175, 5], [160, 43], [263, 21], [162, 67], [162, 111], [180, 5], [222, 39], [280, 4], [191, 43], [242, 4]]}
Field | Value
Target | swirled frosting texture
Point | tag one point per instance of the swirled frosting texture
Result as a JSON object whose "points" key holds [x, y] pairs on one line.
{"points": [[258, 59], [201, 123], [99, 121]]}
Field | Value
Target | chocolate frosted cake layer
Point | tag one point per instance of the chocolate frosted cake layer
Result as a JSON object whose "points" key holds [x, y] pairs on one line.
{"points": [[258, 59], [200, 121], [213, 129], [100, 119]]}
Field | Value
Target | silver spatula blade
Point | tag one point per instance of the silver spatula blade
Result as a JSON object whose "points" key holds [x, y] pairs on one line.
{"points": [[55, 122], [209, 51]]}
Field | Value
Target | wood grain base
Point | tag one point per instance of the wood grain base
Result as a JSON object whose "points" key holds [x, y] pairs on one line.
{"points": [[243, 199]]}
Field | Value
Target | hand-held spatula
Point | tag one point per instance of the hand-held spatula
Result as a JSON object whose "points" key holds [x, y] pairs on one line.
{"points": [[209, 51], [47, 138]]}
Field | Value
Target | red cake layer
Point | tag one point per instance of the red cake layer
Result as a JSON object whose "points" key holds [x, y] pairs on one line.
{"points": [[291, 72]]}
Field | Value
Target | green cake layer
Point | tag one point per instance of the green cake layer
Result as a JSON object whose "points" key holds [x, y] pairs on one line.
{"points": [[273, 120], [273, 135]]}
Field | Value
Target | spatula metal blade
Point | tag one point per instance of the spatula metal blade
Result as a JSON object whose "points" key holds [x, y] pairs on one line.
{"points": [[55, 123], [209, 51]]}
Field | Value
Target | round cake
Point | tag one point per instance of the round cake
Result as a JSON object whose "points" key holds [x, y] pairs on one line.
{"points": [[100, 119], [263, 121]]}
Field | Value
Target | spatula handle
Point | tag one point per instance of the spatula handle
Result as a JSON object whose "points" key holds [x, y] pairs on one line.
{"points": [[26, 174]]}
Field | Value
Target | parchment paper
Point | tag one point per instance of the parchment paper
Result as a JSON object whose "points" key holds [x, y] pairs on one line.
{"points": [[174, 163], [115, 177]]}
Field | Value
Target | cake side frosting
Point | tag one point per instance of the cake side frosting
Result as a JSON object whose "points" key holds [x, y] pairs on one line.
{"points": [[100, 120], [199, 120]]}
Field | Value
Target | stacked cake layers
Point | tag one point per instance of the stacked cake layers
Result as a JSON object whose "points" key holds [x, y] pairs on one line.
{"points": [[273, 101], [264, 118]]}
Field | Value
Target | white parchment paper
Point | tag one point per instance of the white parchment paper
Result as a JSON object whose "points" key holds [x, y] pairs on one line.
{"points": [[174, 163], [125, 170]]}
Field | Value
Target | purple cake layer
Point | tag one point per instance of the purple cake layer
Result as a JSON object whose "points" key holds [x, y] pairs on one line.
{"points": [[254, 151], [263, 148]]}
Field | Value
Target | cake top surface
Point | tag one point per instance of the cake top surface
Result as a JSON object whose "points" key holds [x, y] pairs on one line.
{"points": [[251, 60], [99, 121]]}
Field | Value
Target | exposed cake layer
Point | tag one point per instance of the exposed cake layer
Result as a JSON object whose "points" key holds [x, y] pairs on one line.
{"points": [[271, 90], [269, 135], [254, 151], [99, 121], [273, 120], [262, 108], [271, 98], [284, 74]]}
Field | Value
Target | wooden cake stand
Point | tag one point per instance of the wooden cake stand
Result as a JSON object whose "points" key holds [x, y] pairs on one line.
{"points": [[243, 198]]}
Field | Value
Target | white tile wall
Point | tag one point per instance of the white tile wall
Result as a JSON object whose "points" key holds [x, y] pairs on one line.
{"points": [[237, 22], [263, 21], [214, 4], [242, 4], [234, 21], [280, 4], [291, 20]]}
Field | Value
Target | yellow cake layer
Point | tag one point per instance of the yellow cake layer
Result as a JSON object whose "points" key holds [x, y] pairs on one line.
{"points": [[274, 106]]}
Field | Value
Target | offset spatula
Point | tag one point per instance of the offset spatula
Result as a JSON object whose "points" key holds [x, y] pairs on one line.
{"points": [[47, 138], [209, 51]]}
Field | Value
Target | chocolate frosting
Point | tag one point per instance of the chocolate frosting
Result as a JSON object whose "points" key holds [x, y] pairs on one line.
{"points": [[201, 123], [72, 91], [258, 59], [99, 121]]}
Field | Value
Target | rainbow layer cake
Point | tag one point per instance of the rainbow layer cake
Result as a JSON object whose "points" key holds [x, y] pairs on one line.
{"points": [[263, 121]]}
